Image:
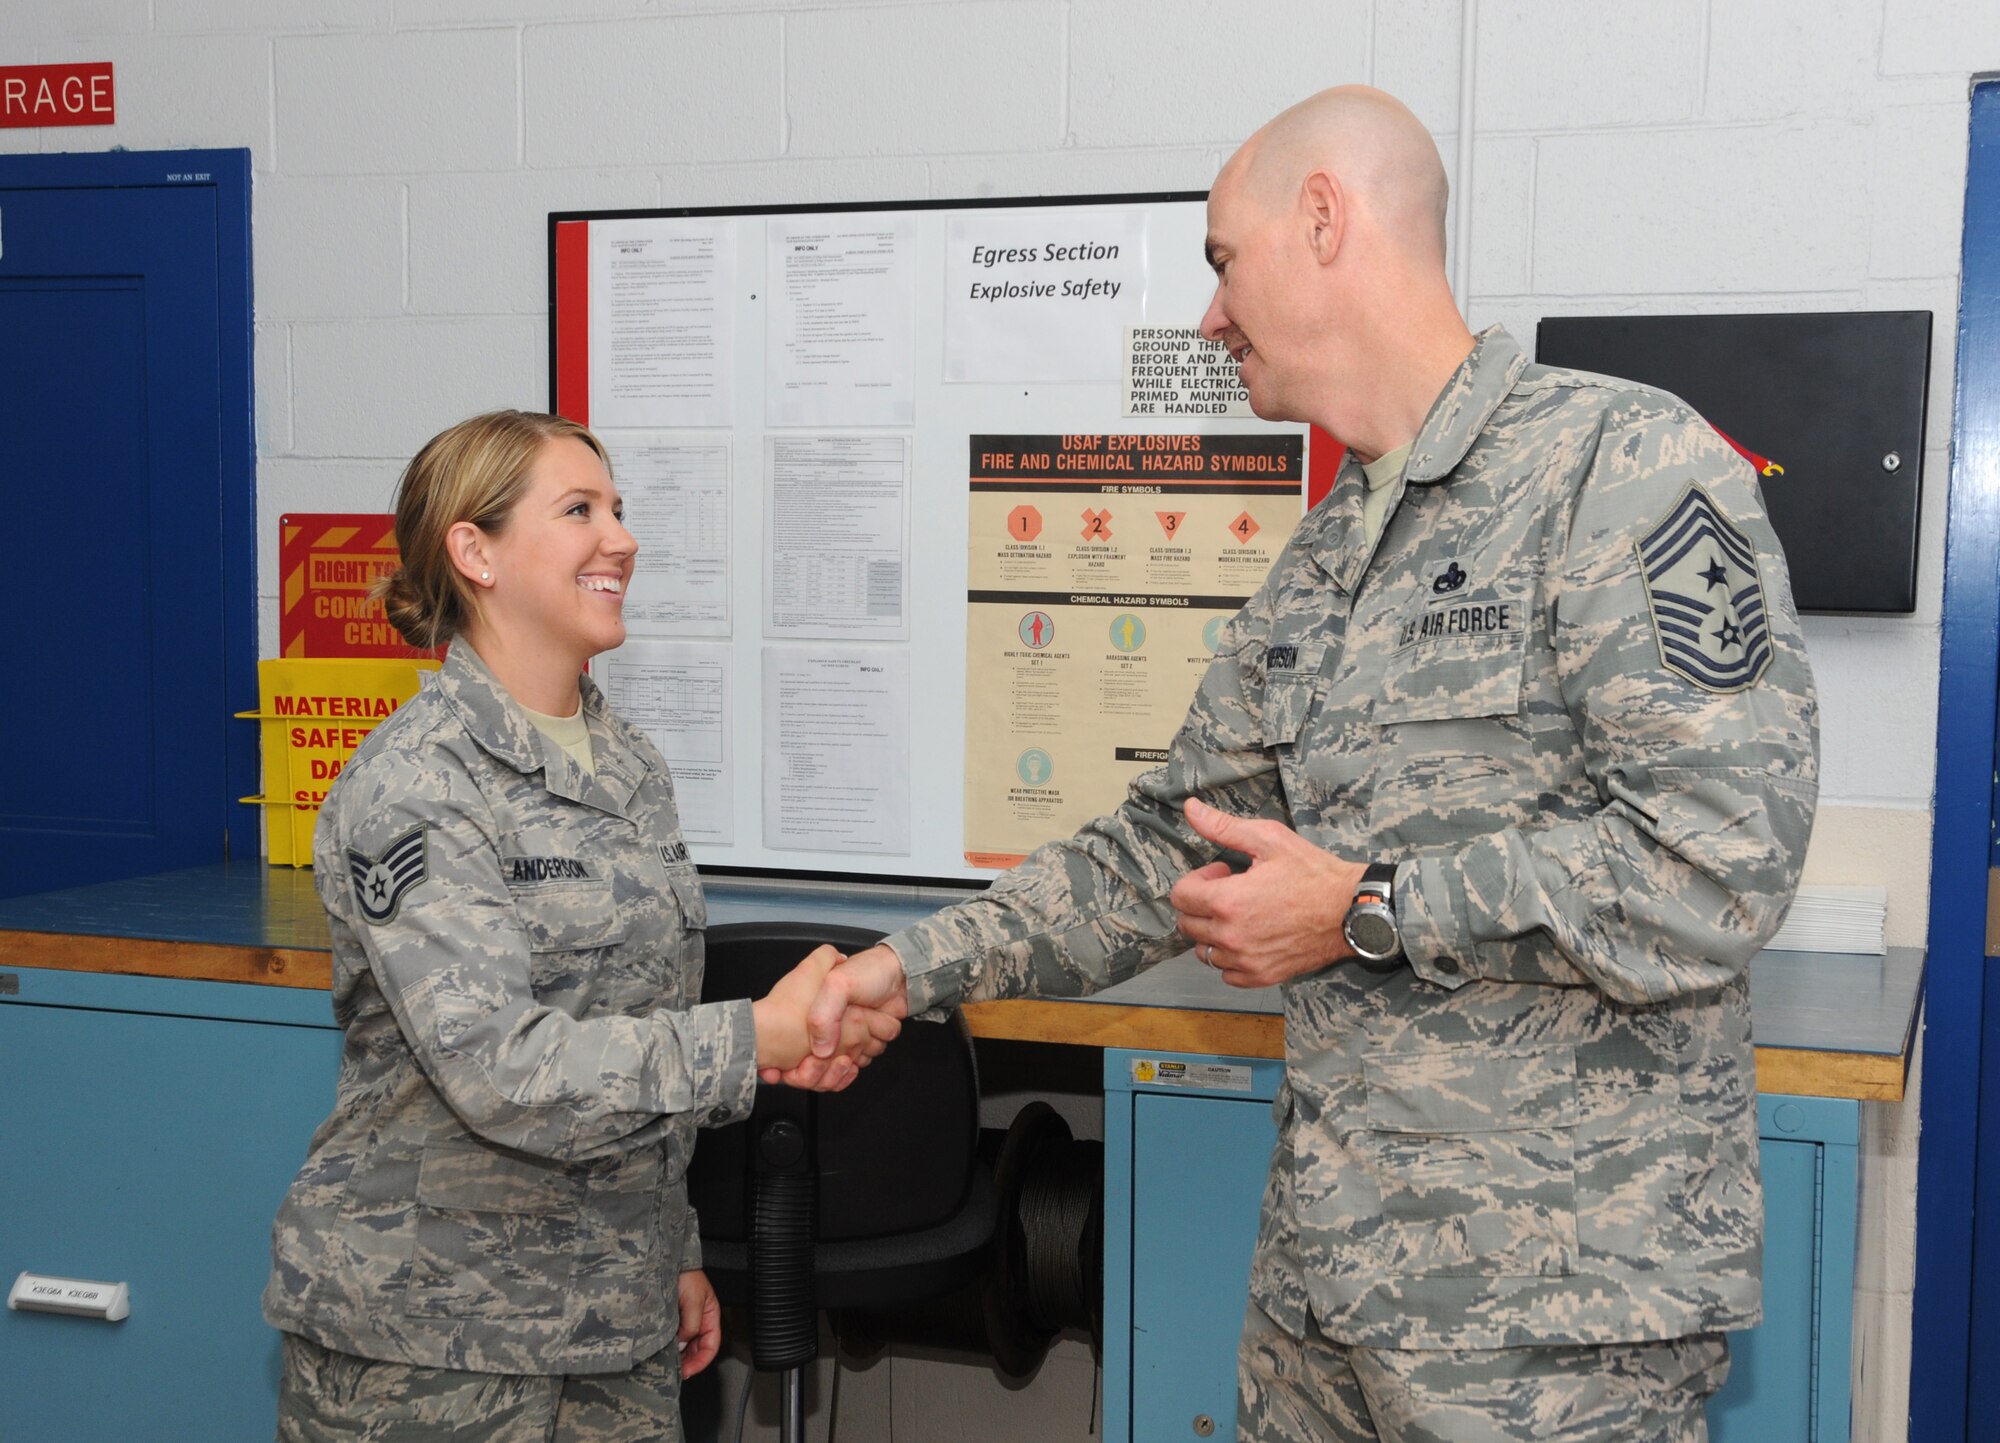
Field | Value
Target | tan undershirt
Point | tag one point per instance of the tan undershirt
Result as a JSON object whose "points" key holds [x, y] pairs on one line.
{"points": [[1382, 473], [571, 733]]}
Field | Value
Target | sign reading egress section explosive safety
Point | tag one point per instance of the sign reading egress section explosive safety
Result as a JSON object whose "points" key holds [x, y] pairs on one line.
{"points": [[1101, 569]]}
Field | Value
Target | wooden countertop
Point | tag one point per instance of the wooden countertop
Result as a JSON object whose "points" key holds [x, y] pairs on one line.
{"points": [[1828, 1025]]}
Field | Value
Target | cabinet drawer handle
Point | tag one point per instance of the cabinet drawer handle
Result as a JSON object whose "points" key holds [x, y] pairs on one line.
{"points": [[40, 1293]]}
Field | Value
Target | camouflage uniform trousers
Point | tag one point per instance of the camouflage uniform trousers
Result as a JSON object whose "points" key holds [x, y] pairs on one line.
{"points": [[1314, 1390], [329, 1397]]}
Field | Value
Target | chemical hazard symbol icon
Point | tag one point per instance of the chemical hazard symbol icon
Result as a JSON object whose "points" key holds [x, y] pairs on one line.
{"points": [[1244, 526], [1034, 767], [1170, 521], [1706, 595], [1037, 629], [1024, 523], [1128, 633], [1096, 525], [1211, 634]]}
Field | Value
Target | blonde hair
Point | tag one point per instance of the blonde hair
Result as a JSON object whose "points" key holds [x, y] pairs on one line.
{"points": [[475, 471]]}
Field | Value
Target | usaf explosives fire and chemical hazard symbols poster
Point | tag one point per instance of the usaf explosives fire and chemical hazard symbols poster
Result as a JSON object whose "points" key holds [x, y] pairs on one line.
{"points": [[1100, 571]]}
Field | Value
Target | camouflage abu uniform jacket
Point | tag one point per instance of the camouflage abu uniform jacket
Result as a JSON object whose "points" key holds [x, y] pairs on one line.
{"points": [[1568, 695], [517, 954]]}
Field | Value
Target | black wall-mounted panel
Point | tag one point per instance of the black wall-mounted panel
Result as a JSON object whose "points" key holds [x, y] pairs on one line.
{"points": [[1826, 397]]}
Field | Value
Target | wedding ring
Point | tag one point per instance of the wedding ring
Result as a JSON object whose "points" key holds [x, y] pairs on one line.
{"points": [[1209, 959]]}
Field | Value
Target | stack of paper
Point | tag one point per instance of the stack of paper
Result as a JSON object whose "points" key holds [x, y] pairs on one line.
{"points": [[1834, 919]]}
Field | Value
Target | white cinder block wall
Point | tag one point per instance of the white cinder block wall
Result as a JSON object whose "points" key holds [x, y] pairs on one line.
{"points": [[1683, 155]]}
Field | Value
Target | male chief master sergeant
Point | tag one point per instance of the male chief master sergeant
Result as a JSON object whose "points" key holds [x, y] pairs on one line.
{"points": [[1560, 701]]}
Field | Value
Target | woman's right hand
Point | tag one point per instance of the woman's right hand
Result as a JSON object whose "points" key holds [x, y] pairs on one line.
{"points": [[782, 1039]]}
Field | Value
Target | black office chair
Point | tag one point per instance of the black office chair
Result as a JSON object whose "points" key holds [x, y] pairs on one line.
{"points": [[865, 1199]]}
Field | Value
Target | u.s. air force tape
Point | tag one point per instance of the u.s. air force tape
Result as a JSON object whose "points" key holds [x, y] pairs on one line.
{"points": [[381, 883], [1706, 596]]}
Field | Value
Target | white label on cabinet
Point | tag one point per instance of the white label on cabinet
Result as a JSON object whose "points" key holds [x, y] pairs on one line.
{"points": [[1212, 1076], [38, 1293]]}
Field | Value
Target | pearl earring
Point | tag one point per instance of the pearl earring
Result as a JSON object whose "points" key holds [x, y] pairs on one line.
{"points": [[485, 576]]}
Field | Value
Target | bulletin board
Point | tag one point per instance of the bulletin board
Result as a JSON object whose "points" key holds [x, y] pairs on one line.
{"points": [[941, 506]]}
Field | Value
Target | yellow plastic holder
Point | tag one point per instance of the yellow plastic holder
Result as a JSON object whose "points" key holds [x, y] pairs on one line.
{"points": [[313, 713]]}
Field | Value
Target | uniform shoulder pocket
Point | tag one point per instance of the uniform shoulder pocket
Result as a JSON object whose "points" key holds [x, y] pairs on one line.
{"points": [[686, 886]]}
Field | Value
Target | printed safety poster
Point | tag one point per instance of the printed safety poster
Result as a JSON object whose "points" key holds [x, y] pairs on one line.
{"points": [[1100, 571]]}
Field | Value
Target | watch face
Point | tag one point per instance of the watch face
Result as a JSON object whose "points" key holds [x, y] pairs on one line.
{"points": [[1372, 932]]}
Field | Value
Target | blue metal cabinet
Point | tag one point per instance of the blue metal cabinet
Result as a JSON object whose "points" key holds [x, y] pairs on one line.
{"points": [[1789, 1379], [151, 1128], [1184, 1167]]}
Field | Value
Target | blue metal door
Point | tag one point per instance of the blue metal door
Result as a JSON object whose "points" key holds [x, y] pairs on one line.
{"points": [[127, 564], [1955, 1343]]}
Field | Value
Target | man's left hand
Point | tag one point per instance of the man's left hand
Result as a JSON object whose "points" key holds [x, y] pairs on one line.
{"points": [[1280, 918]]}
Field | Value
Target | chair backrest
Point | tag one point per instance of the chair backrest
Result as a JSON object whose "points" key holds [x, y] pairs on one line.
{"points": [[894, 1153]]}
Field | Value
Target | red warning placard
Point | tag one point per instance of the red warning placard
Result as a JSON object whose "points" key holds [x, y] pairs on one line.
{"points": [[33, 96], [328, 564]]}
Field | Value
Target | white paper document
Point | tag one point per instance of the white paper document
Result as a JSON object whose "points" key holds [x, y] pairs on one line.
{"points": [[1042, 295], [662, 322], [676, 494], [678, 695], [837, 532], [842, 336], [837, 750], [1172, 371]]}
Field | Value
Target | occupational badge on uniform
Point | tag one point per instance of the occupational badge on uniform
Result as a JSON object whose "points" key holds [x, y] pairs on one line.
{"points": [[1706, 596], [380, 883]]}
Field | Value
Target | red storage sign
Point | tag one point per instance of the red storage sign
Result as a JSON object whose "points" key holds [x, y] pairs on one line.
{"points": [[34, 95]]}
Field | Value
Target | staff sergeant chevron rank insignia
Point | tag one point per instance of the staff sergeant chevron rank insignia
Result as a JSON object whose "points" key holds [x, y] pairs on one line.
{"points": [[379, 885], [1706, 595]]}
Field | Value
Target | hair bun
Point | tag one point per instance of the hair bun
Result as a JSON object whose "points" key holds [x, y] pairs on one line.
{"points": [[414, 621]]}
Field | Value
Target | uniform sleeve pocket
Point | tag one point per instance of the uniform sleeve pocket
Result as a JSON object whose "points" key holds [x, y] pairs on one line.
{"points": [[1474, 1157], [686, 885], [569, 916], [496, 1236], [1477, 676]]}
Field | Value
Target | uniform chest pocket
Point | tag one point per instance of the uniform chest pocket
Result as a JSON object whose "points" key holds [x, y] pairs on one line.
{"points": [[569, 916], [1288, 703], [1475, 675], [1473, 1156]]}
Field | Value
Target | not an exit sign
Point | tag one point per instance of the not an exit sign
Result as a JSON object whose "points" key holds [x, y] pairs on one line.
{"points": [[35, 95]]}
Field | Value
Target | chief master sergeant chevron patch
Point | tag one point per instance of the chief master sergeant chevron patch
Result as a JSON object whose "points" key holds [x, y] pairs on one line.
{"points": [[1706, 596], [379, 885]]}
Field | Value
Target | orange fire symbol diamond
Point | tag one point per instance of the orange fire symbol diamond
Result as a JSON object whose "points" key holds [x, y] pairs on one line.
{"points": [[1024, 523], [1244, 526], [1096, 525]]}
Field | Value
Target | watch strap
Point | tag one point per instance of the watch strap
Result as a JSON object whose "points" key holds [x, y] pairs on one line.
{"points": [[1379, 878]]}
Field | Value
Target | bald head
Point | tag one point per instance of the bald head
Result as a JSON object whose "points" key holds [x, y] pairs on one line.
{"points": [[1381, 153], [1326, 235]]}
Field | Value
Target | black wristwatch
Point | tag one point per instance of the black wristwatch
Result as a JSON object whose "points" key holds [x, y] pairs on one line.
{"points": [[1371, 917]]}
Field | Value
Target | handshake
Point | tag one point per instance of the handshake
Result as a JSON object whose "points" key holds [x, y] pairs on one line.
{"points": [[829, 1017]]}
